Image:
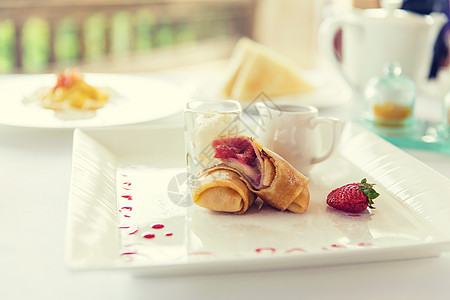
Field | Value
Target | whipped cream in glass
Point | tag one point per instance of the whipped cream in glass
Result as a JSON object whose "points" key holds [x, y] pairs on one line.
{"points": [[203, 123]]}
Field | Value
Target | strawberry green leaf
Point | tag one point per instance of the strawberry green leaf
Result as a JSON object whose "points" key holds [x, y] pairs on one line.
{"points": [[367, 189]]}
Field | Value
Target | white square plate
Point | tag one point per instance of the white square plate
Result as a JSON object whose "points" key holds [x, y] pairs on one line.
{"points": [[125, 181]]}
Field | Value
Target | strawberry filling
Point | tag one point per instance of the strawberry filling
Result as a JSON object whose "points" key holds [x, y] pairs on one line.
{"points": [[240, 153]]}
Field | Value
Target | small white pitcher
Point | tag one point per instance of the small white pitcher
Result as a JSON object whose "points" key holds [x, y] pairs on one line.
{"points": [[292, 132]]}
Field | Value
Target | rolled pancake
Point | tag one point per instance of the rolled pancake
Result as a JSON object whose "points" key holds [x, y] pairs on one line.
{"points": [[267, 174], [301, 203], [288, 187], [221, 189]]}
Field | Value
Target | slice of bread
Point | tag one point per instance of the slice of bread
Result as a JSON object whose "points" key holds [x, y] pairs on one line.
{"points": [[255, 68]]}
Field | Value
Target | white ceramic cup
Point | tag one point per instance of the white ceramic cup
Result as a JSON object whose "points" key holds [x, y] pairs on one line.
{"points": [[292, 131]]}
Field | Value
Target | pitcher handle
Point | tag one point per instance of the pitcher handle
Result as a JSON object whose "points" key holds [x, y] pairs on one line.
{"points": [[327, 32], [334, 123]]}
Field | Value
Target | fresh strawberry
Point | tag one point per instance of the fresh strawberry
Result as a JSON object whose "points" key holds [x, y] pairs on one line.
{"points": [[353, 197]]}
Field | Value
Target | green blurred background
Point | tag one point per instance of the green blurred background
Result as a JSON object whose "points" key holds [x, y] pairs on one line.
{"points": [[137, 32]]}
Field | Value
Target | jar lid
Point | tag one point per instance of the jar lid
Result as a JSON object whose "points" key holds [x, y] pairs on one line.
{"points": [[391, 84], [392, 69], [392, 77]]}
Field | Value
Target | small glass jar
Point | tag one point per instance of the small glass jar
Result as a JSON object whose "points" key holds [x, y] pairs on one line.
{"points": [[389, 99]]}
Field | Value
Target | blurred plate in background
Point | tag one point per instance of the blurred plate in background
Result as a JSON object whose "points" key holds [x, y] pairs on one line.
{"points": [[135, 99]]}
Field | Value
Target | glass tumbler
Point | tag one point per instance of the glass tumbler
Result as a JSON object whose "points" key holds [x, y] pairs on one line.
{"points": [[204, 122]]}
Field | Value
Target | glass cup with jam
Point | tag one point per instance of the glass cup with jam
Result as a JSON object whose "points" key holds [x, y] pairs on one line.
{"points": [[389, 99]]}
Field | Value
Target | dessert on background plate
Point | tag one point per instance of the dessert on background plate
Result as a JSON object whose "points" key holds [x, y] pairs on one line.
{"points": [[71, 92], [255, 69]]}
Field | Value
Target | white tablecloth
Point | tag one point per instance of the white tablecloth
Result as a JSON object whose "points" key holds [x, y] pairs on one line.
{"points": [[35, 168]]}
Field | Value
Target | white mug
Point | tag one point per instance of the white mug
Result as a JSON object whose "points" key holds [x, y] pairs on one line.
{"points": [[292, 132]]}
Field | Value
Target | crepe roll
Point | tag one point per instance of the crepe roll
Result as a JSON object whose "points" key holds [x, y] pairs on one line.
{"points": [[223, 190], [266, 173], [301, 203]]}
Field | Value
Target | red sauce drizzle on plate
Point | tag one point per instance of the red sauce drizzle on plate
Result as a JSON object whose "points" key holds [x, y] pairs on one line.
{"points": [[269, 249], [295, 250], [365, 244], [158, 226], [126, 185], [128, 253], [134, 231], [148, 235], [337, 246]]}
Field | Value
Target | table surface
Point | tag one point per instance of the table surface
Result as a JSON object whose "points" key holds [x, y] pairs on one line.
{"points": [[35, 170]]}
